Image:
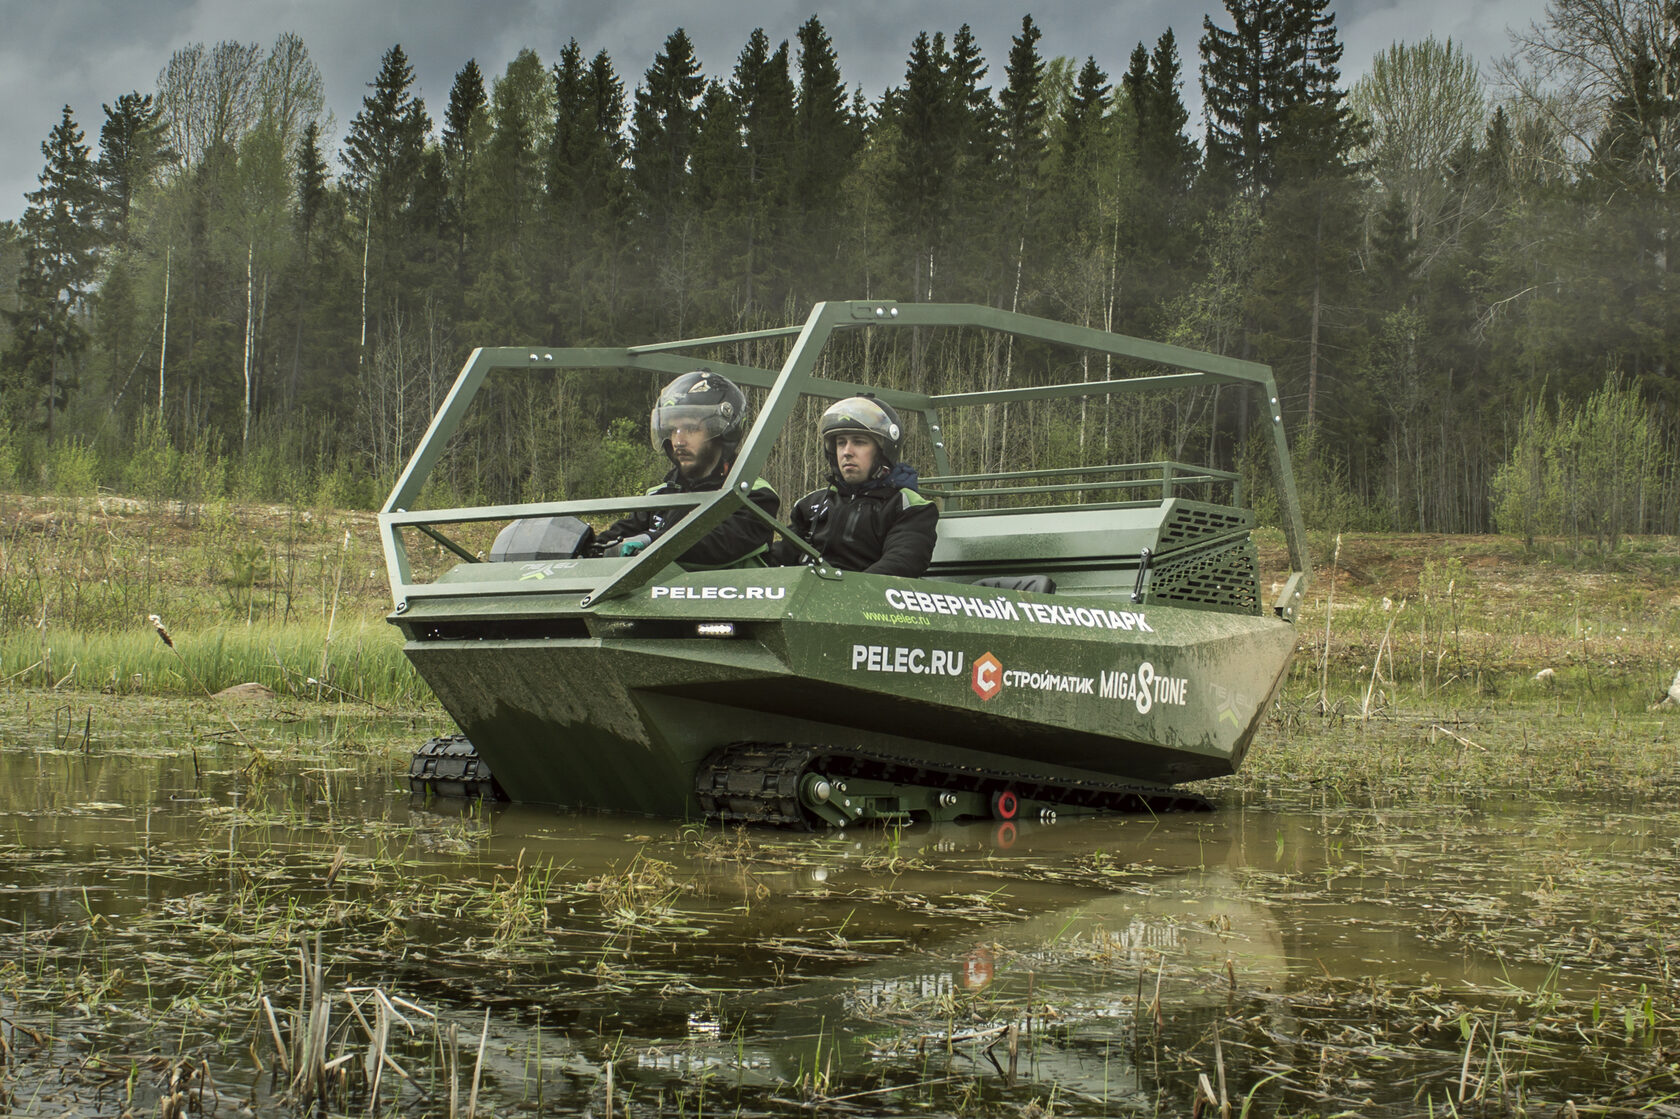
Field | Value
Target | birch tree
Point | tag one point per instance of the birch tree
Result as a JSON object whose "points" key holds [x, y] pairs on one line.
{"points": [[1619, 61], [1422, 102]]}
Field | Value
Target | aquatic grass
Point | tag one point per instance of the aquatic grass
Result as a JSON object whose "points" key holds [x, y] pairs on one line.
{"points": [[355, 1073], [261, 895], [643, 892], [404, 902], [363, 662], [520, 904], [286, 598], [1481, 614]]}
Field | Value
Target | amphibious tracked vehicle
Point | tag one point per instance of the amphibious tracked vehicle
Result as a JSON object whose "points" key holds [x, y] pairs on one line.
{"points": [[1086, 638]]}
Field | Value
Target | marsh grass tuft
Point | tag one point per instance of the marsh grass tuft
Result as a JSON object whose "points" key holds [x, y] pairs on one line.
{"points": [[519, 904], [334, 1067], [363, 663], [292, 599], [641, 892]]}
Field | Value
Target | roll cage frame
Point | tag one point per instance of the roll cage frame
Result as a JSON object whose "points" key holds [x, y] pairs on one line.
{"points": [[797, 379]]}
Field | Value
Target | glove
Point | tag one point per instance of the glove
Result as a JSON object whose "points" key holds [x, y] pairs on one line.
{"points": [[635, 544]]}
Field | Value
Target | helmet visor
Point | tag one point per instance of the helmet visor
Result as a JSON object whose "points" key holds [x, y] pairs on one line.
{"points": [[862, 415], [692, 421]]}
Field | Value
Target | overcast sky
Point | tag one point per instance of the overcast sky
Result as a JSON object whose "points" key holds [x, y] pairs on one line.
{"points": [[86, 53]]}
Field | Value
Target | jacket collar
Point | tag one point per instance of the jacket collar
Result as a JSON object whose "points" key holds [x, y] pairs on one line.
{"points": [[676, 481]]}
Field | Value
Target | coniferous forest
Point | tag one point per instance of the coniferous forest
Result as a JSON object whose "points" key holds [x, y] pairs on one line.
{"points": [[1457, 267]]}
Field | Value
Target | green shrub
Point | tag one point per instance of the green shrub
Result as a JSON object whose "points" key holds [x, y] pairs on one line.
{"points": [[616, 465], [158, 469], [1593, 471], [202, 473], [347, 487], [1328, 502], [11, 460], [270, 471], [152, 464], [71, 469]]}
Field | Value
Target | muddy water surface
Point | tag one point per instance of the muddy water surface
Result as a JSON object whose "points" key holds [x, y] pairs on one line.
{"points": [[1293, 952]]}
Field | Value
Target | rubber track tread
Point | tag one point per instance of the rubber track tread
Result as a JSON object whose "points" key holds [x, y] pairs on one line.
{"points": [[758, 783], [754, 783], [1118, 797], [449, 766]]}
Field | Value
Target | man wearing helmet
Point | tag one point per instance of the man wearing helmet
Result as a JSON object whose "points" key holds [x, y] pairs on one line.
{"points": [[871, 517], [698, 421]]}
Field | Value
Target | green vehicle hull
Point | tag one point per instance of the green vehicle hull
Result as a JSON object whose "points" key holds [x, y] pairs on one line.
{"points": [[604, 716], [1139, 654]]}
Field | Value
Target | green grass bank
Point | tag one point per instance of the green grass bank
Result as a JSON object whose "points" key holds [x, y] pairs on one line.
{"points": [[295, 599]]}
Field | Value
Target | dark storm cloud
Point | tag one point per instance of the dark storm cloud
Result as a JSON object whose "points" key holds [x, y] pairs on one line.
{"points": [[88, 52], [78, 52]]}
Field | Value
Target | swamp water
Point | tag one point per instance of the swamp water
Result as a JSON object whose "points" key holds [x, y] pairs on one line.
{"points": [[190, 925]]}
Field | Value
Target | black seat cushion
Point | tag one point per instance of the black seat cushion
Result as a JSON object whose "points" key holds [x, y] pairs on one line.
{"points": [[1037, 584]]}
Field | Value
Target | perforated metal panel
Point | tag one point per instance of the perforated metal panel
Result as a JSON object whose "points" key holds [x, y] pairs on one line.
{"points": [[1225, 578], [1190, 522]]}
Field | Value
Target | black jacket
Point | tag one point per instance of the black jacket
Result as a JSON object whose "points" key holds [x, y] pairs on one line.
{"points": [[741, 540], [884, 531]]}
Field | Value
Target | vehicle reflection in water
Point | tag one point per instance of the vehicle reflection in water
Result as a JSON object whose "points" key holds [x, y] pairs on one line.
{"points": [[1068, 983], [147, 897]]}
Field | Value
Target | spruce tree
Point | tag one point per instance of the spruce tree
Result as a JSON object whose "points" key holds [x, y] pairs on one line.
{"points": [[1166, 155], [587, 150], [920, 182], [726, 213], [513, 163], [1305, 304], [60, 258], [1239, 89], [1084, 197], [1082, 120], [465, 124], [1022, 144], [1271, 78], [384, 148], [588, 195], [662, 127], [466, 112], [1022, 104], [385, 156], [826, 140], [312, 190], [968, 69], [662, 133], [763, 93], [608, 153], [1314, 123], [131, 150], [506, 297], [571, 127], [973, 250], [720, 161], [1158, 232]]}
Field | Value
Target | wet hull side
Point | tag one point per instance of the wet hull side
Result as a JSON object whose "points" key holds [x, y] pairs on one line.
{"points": [[942, 675]]}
